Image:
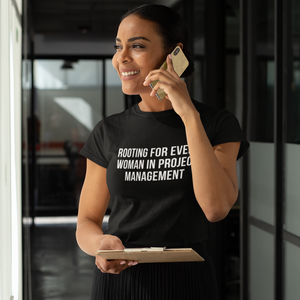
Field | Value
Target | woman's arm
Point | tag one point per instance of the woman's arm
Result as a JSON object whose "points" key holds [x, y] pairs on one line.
{"points": [[213, 168], [93, 204]]}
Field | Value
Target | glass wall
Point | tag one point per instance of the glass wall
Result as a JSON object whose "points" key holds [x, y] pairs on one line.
{"points": [[262, 264], [261, 195], [114, 95], [291, 271], [271, 67], [292, 162], [292, 146], [67, 103]]}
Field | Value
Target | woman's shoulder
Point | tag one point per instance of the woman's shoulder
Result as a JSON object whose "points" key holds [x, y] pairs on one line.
{"points": [[115, 119], [204, 108], [210, 114], [119, 116], [216, 120]]}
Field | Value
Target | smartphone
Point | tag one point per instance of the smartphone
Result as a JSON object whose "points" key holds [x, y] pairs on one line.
{"points": [[180, 63]]}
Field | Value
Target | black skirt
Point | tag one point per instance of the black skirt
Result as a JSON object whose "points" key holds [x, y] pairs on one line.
{"points": [[158, 281]]}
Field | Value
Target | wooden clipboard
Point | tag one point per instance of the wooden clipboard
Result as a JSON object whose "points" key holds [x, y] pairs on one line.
{"points": [[152, 255]]}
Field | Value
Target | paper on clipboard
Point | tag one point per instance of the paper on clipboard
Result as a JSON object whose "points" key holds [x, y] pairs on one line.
{"points": [[152, 255]]}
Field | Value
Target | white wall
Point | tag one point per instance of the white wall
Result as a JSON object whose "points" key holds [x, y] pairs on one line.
{"points": [[10, 150]]}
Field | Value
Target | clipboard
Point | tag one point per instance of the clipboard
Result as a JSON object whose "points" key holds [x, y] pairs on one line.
{"points": [[152, 255]]}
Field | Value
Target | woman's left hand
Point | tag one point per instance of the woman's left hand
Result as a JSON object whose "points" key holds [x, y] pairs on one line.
{"points": [[173, 86]]}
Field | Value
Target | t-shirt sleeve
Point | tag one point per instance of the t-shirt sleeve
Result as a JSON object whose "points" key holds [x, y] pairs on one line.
{"points": [[94, 147], [227, 129]]}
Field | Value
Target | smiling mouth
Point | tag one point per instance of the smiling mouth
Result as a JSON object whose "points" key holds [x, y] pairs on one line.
{"points": [[130, 73]]}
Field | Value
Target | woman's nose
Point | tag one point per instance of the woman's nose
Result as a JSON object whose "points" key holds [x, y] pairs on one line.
{"points": [[124, 56]]}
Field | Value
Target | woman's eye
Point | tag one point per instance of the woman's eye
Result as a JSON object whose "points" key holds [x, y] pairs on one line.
{"points": [[117, 47], [137, 46]]}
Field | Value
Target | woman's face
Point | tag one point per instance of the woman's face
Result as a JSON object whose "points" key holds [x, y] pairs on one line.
{"points": [[139, 50]]}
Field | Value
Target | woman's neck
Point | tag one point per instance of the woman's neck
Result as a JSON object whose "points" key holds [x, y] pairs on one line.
{"points": [[153, 104]]}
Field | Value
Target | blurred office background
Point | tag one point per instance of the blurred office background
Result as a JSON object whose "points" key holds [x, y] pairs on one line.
{"points": [[57, 82]]}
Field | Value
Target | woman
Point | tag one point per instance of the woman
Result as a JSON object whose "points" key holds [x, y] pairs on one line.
{"points": [[167, 167]]}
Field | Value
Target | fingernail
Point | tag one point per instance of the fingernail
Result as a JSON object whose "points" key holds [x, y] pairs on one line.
{"points": [[123, 262], [170, 56], [135, 263]]}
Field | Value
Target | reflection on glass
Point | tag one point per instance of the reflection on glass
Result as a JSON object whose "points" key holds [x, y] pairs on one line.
{"points": [[261, 181], [48, 75], [292, 147], [115, 102], [68, 106], [262, 150], [261, 264], [293, 106], [292, 189], [261, 116], [80, 110], [262, 104], [86, 73], [262, 94], [292, 272]]}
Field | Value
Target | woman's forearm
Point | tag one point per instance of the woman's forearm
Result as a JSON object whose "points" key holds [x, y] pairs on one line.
{"points": [[93, 204], [88, 235], [215, 191]]}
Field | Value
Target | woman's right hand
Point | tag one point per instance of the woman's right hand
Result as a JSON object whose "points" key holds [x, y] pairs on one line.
{"points": [[110, 242], [93, 204]]}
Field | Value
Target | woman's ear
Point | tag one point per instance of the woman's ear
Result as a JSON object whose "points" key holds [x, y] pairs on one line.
{"points": [[180, 45]]}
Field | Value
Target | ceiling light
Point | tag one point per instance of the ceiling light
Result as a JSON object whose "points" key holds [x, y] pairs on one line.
{"points": [[67, 65]]}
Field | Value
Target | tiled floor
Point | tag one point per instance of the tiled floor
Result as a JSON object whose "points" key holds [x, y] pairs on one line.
{"points": [[60, 270]]}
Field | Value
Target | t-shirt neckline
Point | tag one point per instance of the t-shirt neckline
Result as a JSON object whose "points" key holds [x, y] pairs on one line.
{"points": [[163, 113]]}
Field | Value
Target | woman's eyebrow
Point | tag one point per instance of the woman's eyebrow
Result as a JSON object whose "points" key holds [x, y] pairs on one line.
{"points": [[134, 39]]}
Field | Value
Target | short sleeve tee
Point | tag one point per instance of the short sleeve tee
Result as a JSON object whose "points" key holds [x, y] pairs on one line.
{"points": [[149, 173]]}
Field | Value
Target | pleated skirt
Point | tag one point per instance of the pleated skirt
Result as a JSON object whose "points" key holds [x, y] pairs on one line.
{"points": [[158, 281]]}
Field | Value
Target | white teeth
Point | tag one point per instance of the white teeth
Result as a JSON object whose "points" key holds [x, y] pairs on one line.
{"points": [[130, 73]]}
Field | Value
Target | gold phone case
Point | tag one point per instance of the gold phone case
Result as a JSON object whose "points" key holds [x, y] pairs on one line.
{"points": [[180, 63]]}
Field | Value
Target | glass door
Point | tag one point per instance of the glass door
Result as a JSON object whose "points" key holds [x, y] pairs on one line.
{"points": [[68, 103], [261, 195], [70, 98], [271, 61], [292, 162]]}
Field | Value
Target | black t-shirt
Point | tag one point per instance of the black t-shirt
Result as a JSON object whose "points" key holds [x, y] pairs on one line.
{"points": [[149, 175]]}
